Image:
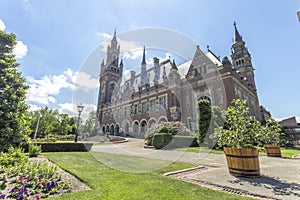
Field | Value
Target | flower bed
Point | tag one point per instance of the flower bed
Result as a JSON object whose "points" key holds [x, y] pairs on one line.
{"points": [[21, 178]]}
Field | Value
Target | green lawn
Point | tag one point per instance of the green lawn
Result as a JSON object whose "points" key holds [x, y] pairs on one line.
{"points": [[289, 152], [286, 152], [108, 183], [201, 149]]}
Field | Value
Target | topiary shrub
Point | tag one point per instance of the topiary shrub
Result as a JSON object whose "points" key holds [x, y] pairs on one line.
{"points": [[161, 140]]}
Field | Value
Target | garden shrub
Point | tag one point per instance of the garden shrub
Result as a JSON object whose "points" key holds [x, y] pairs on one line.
{"points": [[64, 146], [161, 140], [164, 129], [34, 150], [13, 157], [174, 128]]}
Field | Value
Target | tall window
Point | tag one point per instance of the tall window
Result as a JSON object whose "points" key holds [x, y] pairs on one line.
{"points": [[162, 103], [152, 105], [144, 107], [136, 108]]}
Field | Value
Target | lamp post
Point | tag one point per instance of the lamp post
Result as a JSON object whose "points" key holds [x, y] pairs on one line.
{"points": [[79, 108], [37, 126]]}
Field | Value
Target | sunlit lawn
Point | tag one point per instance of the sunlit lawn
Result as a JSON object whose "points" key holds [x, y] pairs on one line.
{"points": [[108, 183]]}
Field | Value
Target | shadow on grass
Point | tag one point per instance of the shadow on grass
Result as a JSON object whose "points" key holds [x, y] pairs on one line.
{"points": [[278, 187]]}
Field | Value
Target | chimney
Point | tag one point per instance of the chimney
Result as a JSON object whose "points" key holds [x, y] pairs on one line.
{"points": [[132, 77]]}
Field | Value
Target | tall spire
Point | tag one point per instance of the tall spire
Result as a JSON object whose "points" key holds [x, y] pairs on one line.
{"points": [[144, 57], [115, 34], [237, 36]]}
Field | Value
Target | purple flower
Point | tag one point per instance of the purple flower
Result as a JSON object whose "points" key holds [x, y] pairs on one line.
{"points": [[2, 196], [53, 184], [4, 181], [37, 197], [12, 190], [20, 195], [49, 186]]}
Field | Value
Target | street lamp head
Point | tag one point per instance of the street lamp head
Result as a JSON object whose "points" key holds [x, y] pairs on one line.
{"points": [[80, 108], [298, 13]]}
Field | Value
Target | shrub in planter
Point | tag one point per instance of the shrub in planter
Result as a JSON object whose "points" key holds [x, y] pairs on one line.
{"points": [[241, 131], [161, 140], [270, 138]]}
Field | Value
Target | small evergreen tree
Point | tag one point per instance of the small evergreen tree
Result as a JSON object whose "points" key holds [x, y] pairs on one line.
{"points": [[14, 123], [209, 118], [204, 117]]}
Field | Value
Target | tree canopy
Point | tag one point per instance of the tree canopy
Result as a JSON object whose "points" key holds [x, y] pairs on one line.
{"points": [[14, 124]]}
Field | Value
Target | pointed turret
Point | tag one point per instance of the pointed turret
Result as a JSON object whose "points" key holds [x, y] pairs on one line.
{"points": [[143, 69], [237, 36], [174, 66], [144, 57]]}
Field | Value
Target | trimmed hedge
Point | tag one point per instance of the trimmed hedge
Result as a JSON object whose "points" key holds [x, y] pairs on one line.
{"points": [[63, 146], [161, 140], [184, 141]]}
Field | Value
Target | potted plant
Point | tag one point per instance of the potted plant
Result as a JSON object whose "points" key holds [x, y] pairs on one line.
{"points": [[270, 137], [239, 139]]}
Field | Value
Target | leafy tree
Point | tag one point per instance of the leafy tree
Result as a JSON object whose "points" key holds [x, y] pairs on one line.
{"points": [[89, 126], [51, 122], [14, 124]]}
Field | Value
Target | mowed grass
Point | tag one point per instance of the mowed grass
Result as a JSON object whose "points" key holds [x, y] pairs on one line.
{"points": [[289, 152], [285, 152], [109, 183]]}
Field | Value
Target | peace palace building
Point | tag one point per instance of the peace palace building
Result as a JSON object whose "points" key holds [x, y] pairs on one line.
{"points": [[167, 92]]}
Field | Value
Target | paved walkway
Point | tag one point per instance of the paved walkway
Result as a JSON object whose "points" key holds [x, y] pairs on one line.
{"points": [[280, 176]]}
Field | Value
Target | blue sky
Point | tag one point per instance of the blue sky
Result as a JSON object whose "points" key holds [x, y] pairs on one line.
{"points": [[59, 35]]}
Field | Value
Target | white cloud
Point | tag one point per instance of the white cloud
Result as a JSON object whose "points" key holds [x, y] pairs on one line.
{"points": [[128, 49], [20, 49], [68, 108], [2, 25], [71, 109], [33, 107], [104, 36], [44, 90], [82, 80], [132, 55]]}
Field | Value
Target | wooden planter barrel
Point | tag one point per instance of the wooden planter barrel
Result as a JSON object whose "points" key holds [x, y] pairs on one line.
{"points": [[243, 162], [273, 150]]}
